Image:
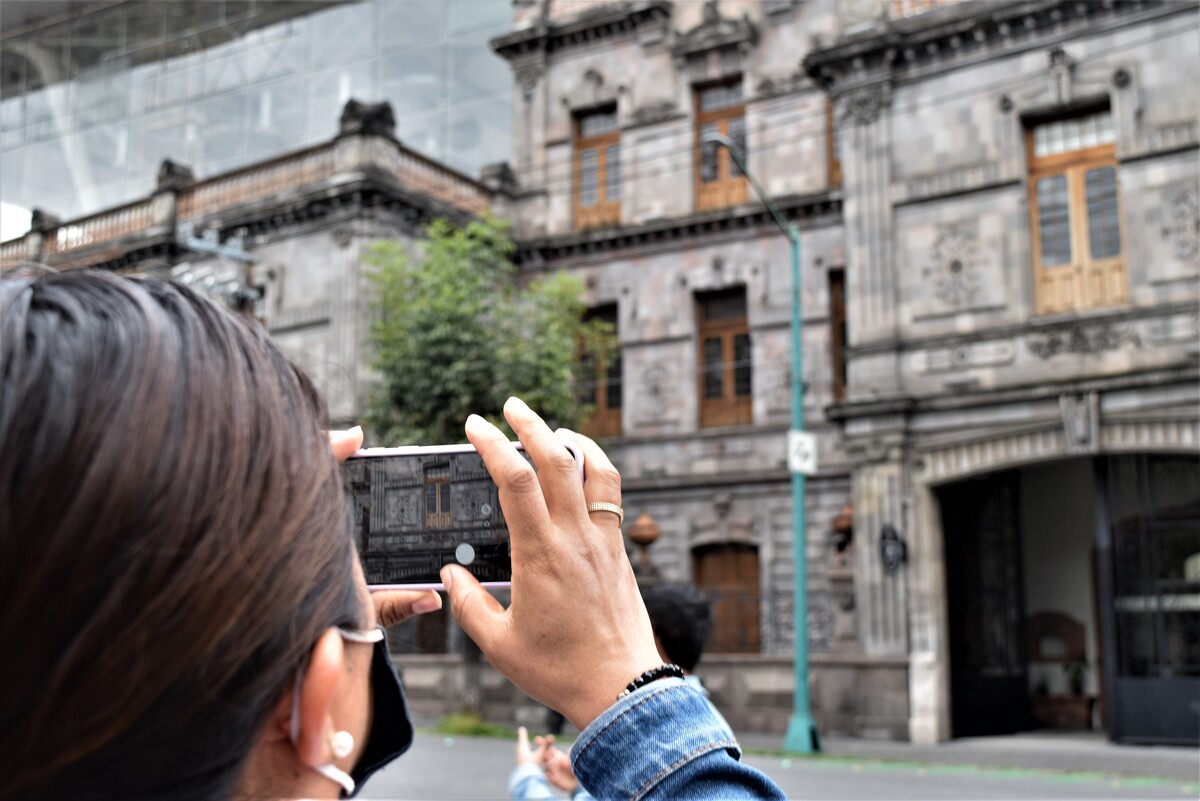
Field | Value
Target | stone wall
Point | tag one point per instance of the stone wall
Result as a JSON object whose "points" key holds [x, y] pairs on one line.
{"points": [[849, 697]]}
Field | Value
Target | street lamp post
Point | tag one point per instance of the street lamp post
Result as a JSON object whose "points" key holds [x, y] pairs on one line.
{"points": [[801, 735]]}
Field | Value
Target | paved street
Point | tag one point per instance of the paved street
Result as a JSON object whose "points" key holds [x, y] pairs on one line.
{"points": [[455, 768]]}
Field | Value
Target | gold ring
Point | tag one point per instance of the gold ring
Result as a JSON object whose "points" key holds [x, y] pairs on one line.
{"points": [[608, 507]]}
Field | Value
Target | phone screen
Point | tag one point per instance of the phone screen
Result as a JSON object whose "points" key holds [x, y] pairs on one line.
{"points": [[415, 510]]}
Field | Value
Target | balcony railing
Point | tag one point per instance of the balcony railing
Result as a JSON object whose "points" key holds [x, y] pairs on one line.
{"points": [[12, 253], [287, 173], [293, 171], [105, 226], [440, 182]]}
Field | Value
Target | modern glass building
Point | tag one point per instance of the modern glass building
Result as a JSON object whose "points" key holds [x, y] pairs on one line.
{"points": [[94, 95]]}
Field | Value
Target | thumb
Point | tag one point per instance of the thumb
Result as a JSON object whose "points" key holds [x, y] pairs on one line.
{"points": [[479, 614]]}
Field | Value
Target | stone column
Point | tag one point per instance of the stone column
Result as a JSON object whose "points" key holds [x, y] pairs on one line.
{"points": [[881, 597], [929, 661], [871, 283]]}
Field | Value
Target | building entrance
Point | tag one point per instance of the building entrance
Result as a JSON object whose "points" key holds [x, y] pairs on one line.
{"points": [[1073, 593]]}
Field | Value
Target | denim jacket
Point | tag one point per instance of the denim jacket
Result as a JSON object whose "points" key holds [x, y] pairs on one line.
{"points": [[665, 741]]}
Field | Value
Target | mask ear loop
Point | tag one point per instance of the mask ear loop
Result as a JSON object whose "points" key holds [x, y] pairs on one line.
{"points": [[329, 771]]}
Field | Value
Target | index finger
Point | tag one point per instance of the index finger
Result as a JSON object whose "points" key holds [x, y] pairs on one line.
{"points": [[520, 495]]}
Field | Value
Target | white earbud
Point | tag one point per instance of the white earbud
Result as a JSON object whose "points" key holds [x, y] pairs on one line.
{"points": [[342, 743]]}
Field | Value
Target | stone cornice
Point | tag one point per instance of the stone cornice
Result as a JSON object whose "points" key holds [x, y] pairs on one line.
{"points": [[1017, 393], [824, 208], [318, 204], [1055, 324], [590, 26], [896, 49], [715, 33]]}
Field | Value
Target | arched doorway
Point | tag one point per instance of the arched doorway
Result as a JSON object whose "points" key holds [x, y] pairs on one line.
{"points": [[1072, 597]]}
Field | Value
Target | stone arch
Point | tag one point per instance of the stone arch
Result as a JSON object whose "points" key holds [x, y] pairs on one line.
{"points": [[929, 680]]}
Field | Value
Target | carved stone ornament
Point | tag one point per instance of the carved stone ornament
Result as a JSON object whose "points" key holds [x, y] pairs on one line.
{"points": [[654, 112], [1081, 421], [656, 384], [528, 77], [864, 105], [173, 175], [954, 266], [774, 86], [1183, 223], [367, 119], [1085, 341], [820, 621], [716, 32]]}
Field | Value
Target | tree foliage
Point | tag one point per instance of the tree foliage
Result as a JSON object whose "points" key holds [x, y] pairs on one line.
{"points": [[453, 333]]}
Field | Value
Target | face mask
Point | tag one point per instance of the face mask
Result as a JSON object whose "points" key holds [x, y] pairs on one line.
{"points": [[391, 731]]}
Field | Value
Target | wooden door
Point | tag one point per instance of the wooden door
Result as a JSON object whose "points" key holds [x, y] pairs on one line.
{"points": [[728, 573]]}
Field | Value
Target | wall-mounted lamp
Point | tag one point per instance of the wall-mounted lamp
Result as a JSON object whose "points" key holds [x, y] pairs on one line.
{"points": [[893, 551]]}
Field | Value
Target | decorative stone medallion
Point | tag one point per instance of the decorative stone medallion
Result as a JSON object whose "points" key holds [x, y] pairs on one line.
{"points": [[1182, 228], [954, 265]]}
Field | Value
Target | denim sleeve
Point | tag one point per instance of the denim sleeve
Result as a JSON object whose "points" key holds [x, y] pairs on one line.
{"points": [[664, 742], [528, 783]]}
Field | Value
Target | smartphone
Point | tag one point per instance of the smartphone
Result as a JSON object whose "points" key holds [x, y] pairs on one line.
{"points": [[416, 509]]}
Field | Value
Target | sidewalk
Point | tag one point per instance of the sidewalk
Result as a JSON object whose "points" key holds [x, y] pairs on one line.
{"points": [[1070, 752]]}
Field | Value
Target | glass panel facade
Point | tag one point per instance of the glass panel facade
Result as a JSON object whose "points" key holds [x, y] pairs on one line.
{"points": [[90, 106], [1054, 220], [1104, 228]]}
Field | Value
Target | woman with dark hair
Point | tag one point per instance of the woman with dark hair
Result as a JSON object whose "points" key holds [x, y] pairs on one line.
{"points": [[182, 612]]}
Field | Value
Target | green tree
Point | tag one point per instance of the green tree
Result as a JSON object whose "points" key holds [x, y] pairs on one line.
{"points": [[453, 333]]}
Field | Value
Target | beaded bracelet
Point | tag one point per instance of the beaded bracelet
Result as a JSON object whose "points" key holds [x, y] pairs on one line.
{"points": [[653, 674]]}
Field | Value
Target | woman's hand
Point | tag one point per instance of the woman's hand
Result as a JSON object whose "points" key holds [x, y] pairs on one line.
{"points": [[576, 632], [391, 606]]}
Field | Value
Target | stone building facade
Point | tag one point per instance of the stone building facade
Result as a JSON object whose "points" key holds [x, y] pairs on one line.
{"points": [[613, 182], [1022, 263], [1004, 197]]}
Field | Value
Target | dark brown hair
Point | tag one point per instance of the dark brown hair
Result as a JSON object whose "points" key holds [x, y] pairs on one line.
{"points": [[172, 538]]}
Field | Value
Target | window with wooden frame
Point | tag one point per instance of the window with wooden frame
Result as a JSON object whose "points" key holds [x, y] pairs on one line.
{"points": [[1075, 214], [833, 145], [725, 367], [837, 332], [720, 109], [602, 382], [437, 496], [597, 168]]}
